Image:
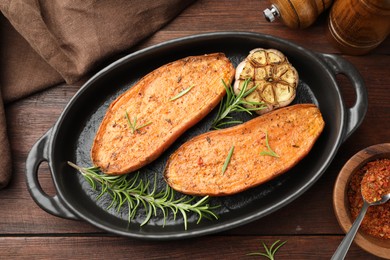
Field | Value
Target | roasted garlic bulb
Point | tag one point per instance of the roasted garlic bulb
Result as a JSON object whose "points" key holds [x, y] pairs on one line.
{"points": [[275, 78]]}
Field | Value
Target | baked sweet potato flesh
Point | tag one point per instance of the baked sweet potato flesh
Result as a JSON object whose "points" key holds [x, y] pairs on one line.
{"points": [[196, 167], [141, 123]]}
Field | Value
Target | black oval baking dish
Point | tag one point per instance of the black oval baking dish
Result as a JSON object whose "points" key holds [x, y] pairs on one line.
{"points": [[71, 137]]}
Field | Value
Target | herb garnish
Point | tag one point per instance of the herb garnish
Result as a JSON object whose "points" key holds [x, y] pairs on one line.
{"points": [[235, 103], [133, 125], [269, 252], [269, 152], [137, 193], [228, 158], [182, 93]]}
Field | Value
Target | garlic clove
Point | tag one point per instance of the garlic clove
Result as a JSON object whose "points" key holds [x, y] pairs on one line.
{"points": [[275, 78]]}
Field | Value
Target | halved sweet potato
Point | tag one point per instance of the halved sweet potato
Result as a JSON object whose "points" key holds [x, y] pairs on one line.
{"points": [[145, 120], [196, 167]]}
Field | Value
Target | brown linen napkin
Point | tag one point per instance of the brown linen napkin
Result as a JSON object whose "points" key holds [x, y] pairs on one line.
{"points": [[5, 156], [44, 42]]}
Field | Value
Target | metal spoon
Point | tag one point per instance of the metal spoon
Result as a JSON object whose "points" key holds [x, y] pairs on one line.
{"points": [[342, 250]]}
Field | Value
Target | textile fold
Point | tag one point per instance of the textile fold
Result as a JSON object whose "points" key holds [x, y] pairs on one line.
{"points": [[47, 42]]}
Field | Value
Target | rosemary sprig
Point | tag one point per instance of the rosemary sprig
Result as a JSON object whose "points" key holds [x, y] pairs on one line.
{"points": [[235, 103], [182, 93], [133, 125], [269, 151], [269, 252], [137, 194], [228, 158]]}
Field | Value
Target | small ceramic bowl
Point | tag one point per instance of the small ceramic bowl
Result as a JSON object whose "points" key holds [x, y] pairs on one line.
{"points": [[375, 246]]}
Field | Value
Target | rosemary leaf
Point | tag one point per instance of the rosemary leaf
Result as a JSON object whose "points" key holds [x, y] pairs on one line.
{"points": [[235, 103], [137, 193], [182, 93], [228, 158], [229, 123], [143, 125], [269, 252], [274, 250], [133, 125], [269, 151]]}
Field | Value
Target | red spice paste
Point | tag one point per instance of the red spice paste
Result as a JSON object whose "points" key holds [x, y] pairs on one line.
{"points": [[373, 178]]}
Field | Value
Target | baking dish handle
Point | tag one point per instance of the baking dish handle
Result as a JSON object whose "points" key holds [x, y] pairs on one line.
{"points": [[357, 112], [52, 205]]}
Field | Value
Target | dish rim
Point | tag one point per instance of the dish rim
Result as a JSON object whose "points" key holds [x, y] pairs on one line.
{"points": [[315, 57], [340, 206]]}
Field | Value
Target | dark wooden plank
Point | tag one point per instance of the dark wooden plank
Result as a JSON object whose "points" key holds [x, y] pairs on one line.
{"points": [[314, 203], [212, 247], [30, 118], [214, 15], [308, 223]]}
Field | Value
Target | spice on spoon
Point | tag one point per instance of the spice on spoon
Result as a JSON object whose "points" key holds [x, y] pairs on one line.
{"points": [[373, 181]]}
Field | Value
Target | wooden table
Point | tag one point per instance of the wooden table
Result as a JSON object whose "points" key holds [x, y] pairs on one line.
{"points": [[308, 224]]}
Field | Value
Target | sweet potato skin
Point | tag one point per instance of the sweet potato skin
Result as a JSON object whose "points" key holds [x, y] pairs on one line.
{"points": [[117, 150], [196, 167]]}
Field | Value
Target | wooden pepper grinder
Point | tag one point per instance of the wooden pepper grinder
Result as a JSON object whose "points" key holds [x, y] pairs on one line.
{"points": [[358, 26], [296, 13]]}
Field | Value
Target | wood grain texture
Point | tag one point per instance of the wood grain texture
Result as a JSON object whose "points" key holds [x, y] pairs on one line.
{"points": [[212, 247], [308, 223]]}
